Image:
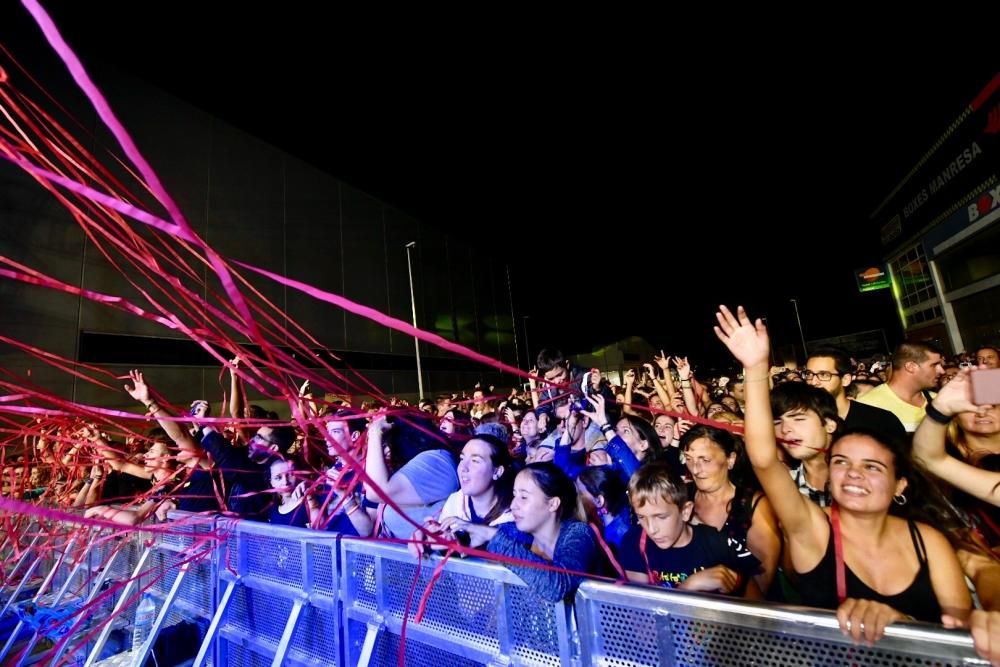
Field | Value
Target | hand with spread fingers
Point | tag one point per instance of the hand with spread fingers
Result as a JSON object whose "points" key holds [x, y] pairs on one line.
{"points": [[746, 340]]}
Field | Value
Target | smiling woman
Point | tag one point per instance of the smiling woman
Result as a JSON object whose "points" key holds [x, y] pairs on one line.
{"points": [[866, 556], [472, 514]]}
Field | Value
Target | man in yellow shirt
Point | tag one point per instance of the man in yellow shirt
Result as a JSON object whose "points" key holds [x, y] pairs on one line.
{"points": [[916, 368]]}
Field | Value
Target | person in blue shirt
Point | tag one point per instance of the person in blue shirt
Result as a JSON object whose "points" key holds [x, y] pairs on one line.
{"points": [[604, 495], [293, 506], [548, 529]]}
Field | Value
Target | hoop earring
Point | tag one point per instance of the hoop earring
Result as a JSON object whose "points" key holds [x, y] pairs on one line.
{"points": [[899, 500]]}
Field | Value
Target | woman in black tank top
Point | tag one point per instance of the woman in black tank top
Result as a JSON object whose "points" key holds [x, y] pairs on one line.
{"points": [[917, 600], [873, 567], [727, 497]]}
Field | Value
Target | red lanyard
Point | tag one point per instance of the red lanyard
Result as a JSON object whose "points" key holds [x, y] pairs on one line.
{"points": [[653, 578], [838, 549], [607, 551]]}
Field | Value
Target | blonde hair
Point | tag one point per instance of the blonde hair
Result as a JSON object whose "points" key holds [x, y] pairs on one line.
{"points": [[656, 481]]}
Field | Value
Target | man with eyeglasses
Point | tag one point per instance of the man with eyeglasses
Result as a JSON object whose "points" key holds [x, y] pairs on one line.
{"points": [[830, 369]]}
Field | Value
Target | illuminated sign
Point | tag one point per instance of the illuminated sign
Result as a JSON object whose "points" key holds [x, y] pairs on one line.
{"points": [[873, 278]]}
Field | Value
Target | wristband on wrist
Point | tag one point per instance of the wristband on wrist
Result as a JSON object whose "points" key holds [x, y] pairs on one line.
{"points": [[936, 415]]}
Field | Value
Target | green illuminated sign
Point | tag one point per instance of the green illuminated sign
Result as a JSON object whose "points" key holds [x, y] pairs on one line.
{"points": [[873, 278]]}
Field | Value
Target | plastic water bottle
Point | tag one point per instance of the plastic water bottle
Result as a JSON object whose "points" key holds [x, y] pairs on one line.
{"points": [[145, 614]]}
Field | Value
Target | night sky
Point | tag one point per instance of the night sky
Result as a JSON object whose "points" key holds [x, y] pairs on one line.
{"points": [[631, 183]]}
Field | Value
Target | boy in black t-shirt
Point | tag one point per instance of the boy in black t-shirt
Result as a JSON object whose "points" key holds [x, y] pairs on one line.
{"points": [[665, 550]]}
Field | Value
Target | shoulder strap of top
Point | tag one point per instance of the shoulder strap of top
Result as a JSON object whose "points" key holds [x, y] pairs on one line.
{"points": [[918, 542]]}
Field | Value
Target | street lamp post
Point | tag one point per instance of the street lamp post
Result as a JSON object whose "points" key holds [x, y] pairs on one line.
{"points": [[805, 352], [413, 307], [527, 347]]}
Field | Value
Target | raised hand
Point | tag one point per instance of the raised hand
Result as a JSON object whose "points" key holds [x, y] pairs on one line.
{"points": [[200, 408], [746, 340], [599, 416], [663, 361], [508, 415], [595, 380], [956, 396], [139, 389], [683, 368]]}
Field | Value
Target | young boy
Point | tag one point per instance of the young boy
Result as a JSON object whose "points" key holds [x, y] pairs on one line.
{"points": [[805, 423], [665, 550]]}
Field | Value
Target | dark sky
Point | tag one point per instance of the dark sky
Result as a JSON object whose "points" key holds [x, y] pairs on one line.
{"points": [[633, 182]]}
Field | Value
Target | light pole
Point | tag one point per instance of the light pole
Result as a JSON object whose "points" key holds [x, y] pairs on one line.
{"points": [[413, 307], [771, 336], [805, 352], [513, 319], [527, 347]]}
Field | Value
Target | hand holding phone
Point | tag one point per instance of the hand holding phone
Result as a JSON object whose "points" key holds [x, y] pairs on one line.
{"points": [[985, 384]]}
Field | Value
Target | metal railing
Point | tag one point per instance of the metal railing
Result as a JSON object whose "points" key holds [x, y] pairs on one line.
{"points": [[263, 594], [632, 626], [476, 613]]}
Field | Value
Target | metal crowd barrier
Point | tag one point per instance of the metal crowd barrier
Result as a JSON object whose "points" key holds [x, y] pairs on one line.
{"points": [[177, 569], [287, 596], [19, 569], [278, 597], [59, 554], [477, 613], [643, 626]]}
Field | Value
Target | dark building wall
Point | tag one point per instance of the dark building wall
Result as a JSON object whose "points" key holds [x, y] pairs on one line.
{"points": [[256, 204]]}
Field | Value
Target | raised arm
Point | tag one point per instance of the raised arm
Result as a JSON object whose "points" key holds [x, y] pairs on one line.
{"points": [[91, 489], [749, 343], [235, 390], [629, 387], [140, 392], [929, 441], [625, 461], [684, 373], [664, 388], [104, 450], [533, 387], [397, 487]]}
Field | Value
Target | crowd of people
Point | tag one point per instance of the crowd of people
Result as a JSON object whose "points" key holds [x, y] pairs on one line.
{"points": [[866, 488]]}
